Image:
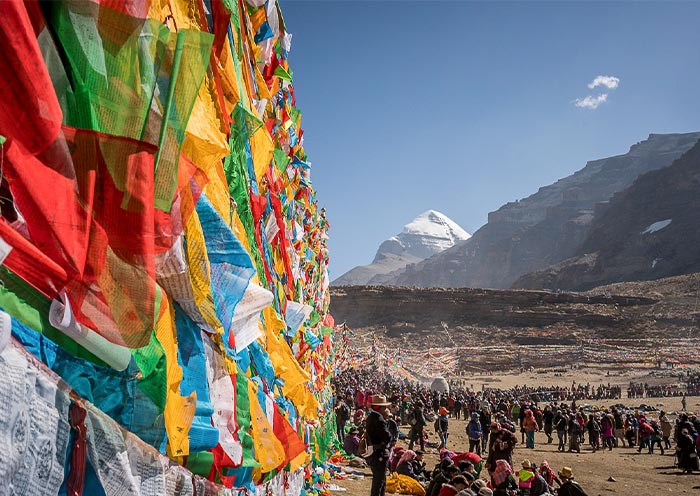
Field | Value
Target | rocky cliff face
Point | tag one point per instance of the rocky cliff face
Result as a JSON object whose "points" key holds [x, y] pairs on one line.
{"points": [[418, 311], [429, 233], [544, 228], [485, 324], [649, 231]]}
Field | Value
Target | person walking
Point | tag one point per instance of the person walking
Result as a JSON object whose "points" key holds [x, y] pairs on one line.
{"points": [[666, 429], [560, 423], [417, 417], [485, 420], [379, 438], [530, 426], [574, 432], [475, 434], [442, 426], [548, 420], [607, 427]]}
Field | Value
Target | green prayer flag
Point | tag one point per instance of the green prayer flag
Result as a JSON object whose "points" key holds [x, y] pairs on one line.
{"points": [[281, 159]]}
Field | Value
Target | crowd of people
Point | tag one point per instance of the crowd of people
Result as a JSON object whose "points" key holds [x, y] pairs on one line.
{"points": [[371, 407]]}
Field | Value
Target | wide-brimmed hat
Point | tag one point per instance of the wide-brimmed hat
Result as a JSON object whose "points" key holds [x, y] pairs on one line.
{"points": [[479, 483], [378, 400], [527, 464], [566, 473]]}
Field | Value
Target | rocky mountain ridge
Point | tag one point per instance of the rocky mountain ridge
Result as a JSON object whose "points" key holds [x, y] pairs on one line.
{"points": [[545, 228], [650, 230]]}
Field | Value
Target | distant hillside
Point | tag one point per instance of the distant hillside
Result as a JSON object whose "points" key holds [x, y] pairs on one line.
{"points": [[429, 233], [545, 228], [637, 315], [649, 231]]}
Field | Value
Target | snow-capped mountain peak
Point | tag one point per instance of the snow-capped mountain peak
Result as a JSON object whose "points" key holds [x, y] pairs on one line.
{"points": [[429, 233]]}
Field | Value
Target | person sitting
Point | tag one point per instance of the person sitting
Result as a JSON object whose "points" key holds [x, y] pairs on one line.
{"points": [[539, 486], [502, 479], [419, 466], [456, 485], [568, 486], [442, 474], [351, 444], [406, 466], [525, 477]]}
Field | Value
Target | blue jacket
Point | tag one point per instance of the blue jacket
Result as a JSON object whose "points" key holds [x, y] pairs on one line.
{"points": [[474, 429]]}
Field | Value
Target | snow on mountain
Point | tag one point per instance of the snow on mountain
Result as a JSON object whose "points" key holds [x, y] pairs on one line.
{"points": [[657, 226], [429, 233]]}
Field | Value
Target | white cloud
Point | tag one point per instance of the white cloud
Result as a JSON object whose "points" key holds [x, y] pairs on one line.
{"points": [[591, 102], [610, 82]]}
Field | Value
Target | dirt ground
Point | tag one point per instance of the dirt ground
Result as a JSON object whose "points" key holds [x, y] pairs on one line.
{"points": [[634, 473]]}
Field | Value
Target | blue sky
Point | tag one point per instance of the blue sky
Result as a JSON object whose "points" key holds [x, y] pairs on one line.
{"points": [[463, 106]]}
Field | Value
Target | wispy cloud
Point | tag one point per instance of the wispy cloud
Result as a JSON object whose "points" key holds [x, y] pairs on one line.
{"points": [[610, 82], [591, 102]]}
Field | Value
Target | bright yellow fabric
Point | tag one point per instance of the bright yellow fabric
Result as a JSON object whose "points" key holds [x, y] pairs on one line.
{"points": [[229, 85], [287, 368], [261, 148], [300, 461], [403, 484], [269, 451], [159, 9], [263, 91], [186, 14], [179, 410]]}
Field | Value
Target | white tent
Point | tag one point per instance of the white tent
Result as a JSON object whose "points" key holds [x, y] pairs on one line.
{"points": [[440, 384]]}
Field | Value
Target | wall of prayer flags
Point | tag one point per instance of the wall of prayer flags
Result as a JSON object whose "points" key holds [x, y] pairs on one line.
{"points": [[164, 285]]}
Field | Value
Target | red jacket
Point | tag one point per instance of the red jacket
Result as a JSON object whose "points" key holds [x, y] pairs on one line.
{"points": [[448, 490]]}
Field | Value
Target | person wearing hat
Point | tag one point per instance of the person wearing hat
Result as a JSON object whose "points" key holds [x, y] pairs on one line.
{"points": [[379, 437], [441, 426], [502, 479], [568, 486], [477, 485], [529, 425], [503, 442], [351, 445], [525, 477], [406, 466], [474, 433]]}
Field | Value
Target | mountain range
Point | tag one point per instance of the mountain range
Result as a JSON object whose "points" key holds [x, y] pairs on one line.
{"points": [[631, 205], [649, 231]]}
